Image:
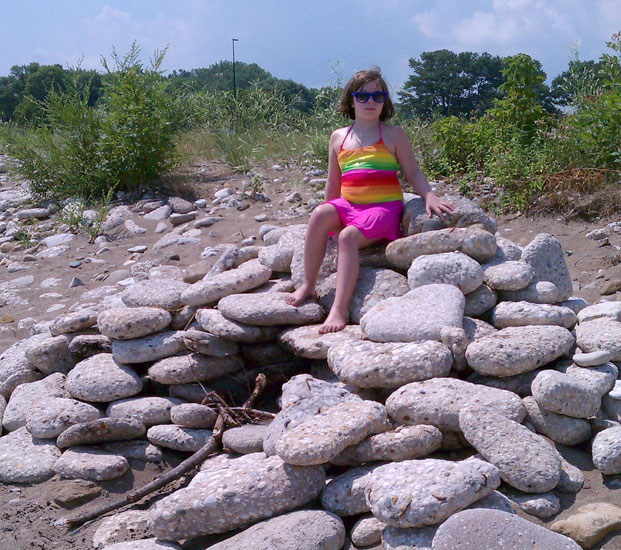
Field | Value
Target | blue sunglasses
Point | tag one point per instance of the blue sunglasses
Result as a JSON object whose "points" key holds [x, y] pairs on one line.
{"points": [[363, 97]]}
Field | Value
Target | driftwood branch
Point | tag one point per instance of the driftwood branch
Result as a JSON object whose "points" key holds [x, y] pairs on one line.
{"points": [[227, 417]]}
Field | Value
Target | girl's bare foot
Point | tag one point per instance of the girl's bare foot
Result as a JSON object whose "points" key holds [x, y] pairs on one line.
{"points": [[335, 322], [300, 295]]}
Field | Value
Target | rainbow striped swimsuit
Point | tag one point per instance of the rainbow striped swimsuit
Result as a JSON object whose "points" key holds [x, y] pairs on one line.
{"points": [[369, 174]]}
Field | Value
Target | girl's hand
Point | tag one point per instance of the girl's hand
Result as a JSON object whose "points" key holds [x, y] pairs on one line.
{"points": [[434, 205]]}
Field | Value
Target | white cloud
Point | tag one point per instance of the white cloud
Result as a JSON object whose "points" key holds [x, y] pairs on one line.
{"points": [[609, 15]]}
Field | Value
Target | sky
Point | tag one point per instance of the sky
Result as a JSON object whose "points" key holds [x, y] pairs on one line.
{"points": [[315, 43]]}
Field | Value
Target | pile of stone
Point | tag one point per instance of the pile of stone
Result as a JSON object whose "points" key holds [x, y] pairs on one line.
{"points": [[462, 342]]}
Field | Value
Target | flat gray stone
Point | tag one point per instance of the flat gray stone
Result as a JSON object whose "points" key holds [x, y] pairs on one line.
{"points": [[185, 369], [577, 304], [439, 400], [135, 450], [416, 493], [600, 335], [479, 301], [402, 443], [558, 427], [53, 415], [452, 268], [231, 497], [345, 494], [593, 359], [540, 292], [165, 294], [144, 544], [487, 527], [245, 439], [122, 527], [208, 344], [604, 310], [90, 463], [307, 342], [87, 345], [415, 538], [149, 410], [406, 318], [302, 530], [515, 350], [269, 309], [101, 379], [149, 348], [135, 322], [178, 438], [545, 254], [15, 368], [601, 378], [518, 384], [278, 257], [525, 460], [368, 364], [26, 459], [101, 430], [51, 355], [74, 322], [508, 275], [521, 314], [58, 239], [542, 506], [572, 479], [372, 286], [606, 450], [193, 415], [272, 234], [319, 439], [367, 531], [249, 275], [214, 322], [563, 394], [26, 396], [327, 267]]}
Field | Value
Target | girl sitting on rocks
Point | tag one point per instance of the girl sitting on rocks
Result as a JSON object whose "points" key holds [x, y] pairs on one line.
{"points": [[364, 201]]}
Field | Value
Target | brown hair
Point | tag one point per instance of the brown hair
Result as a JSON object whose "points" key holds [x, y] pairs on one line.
{"points": [[346, 107]]}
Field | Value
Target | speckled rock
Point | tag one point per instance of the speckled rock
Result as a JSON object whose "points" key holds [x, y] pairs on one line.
{"points": [[515, 350], [521, 314], [135, 450], [269, 309], [604, 310], [193, 415], [416, 493], [373, 286], [345, 494], [230, 497], [402, 443], [15, 368], [87, 345], [278, 257], [508, 275], [558, 427], [327, 267], [438, 402], [216, 323], [208, 344], [452, 268], [26, 459], [272, 234], [487, 527], [606, 451], [51, 355], [101, 431], [574, 303], [572, 479], [407, 319], [525, 460], [149, 410], [134, 322], [388, 365], [122, 527], [73, 322], [415, 538], [322, 437], [53, 415], [90, 463], [545, 254], [101, 378], [479, 301], [542, 506], [600, 335], [144, 544], [249, 275], [563, 394], [593, 359], [601, 378], [307, 342], [149, 348], [165, 294], [367, 531], [178, 438], [472, 241], [590, 523], [245, 439], [185, 369], [540, 292], [27, 396]]}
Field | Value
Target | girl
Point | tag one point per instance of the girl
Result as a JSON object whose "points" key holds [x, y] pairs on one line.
{"points": [[363, 195]]}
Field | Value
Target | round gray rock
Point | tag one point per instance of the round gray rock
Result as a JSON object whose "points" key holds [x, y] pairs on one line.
{"points": [[178, 438], [101, 431], [563, 394], [558, 427], [345, 494], [307, 342], [90, 463], [508, 275], [600, 335], [52, 416], [221, 326], [452, 268], [148, 410], [134, 322], [521, 314], [606, 451], [51, 355], [479, 301], [601, 378], [165, 294], [149, 348], [245, 439], [185, 369], [26, 459], [193, 415], [540, 292], [73, 322], [209, 344]]}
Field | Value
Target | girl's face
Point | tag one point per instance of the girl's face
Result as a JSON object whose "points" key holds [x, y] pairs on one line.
{"points": [[369, 110]]}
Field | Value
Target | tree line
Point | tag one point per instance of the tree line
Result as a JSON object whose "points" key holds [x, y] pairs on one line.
{"points": [[441, 83]]}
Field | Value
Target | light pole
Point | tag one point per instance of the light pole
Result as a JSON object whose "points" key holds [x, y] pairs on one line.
{"points": [[234, 82]]}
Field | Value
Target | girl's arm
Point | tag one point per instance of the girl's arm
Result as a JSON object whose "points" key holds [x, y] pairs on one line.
{"points": [[333, 183], [414, 175]]}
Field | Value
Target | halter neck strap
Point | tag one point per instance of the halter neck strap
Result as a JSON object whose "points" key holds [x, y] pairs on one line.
{"points": [[349, 130]]}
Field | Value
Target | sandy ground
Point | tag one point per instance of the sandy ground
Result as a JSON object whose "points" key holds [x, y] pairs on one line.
{"points": [[29, 512]]}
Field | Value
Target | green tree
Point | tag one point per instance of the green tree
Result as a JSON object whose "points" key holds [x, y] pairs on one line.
{"points": [[580, 78]]}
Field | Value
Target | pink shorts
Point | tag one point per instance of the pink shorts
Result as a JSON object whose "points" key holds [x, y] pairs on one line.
{"points": [[375, 221]]}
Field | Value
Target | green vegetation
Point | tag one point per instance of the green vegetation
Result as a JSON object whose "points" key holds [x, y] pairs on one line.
{"points": [[470, 116]]}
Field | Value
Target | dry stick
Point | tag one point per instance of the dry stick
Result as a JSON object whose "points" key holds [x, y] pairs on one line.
{"points": [[197, 458]]}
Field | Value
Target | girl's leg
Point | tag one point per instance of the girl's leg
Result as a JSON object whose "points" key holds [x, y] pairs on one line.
{"points": [[323, 220], [348, 268]]}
